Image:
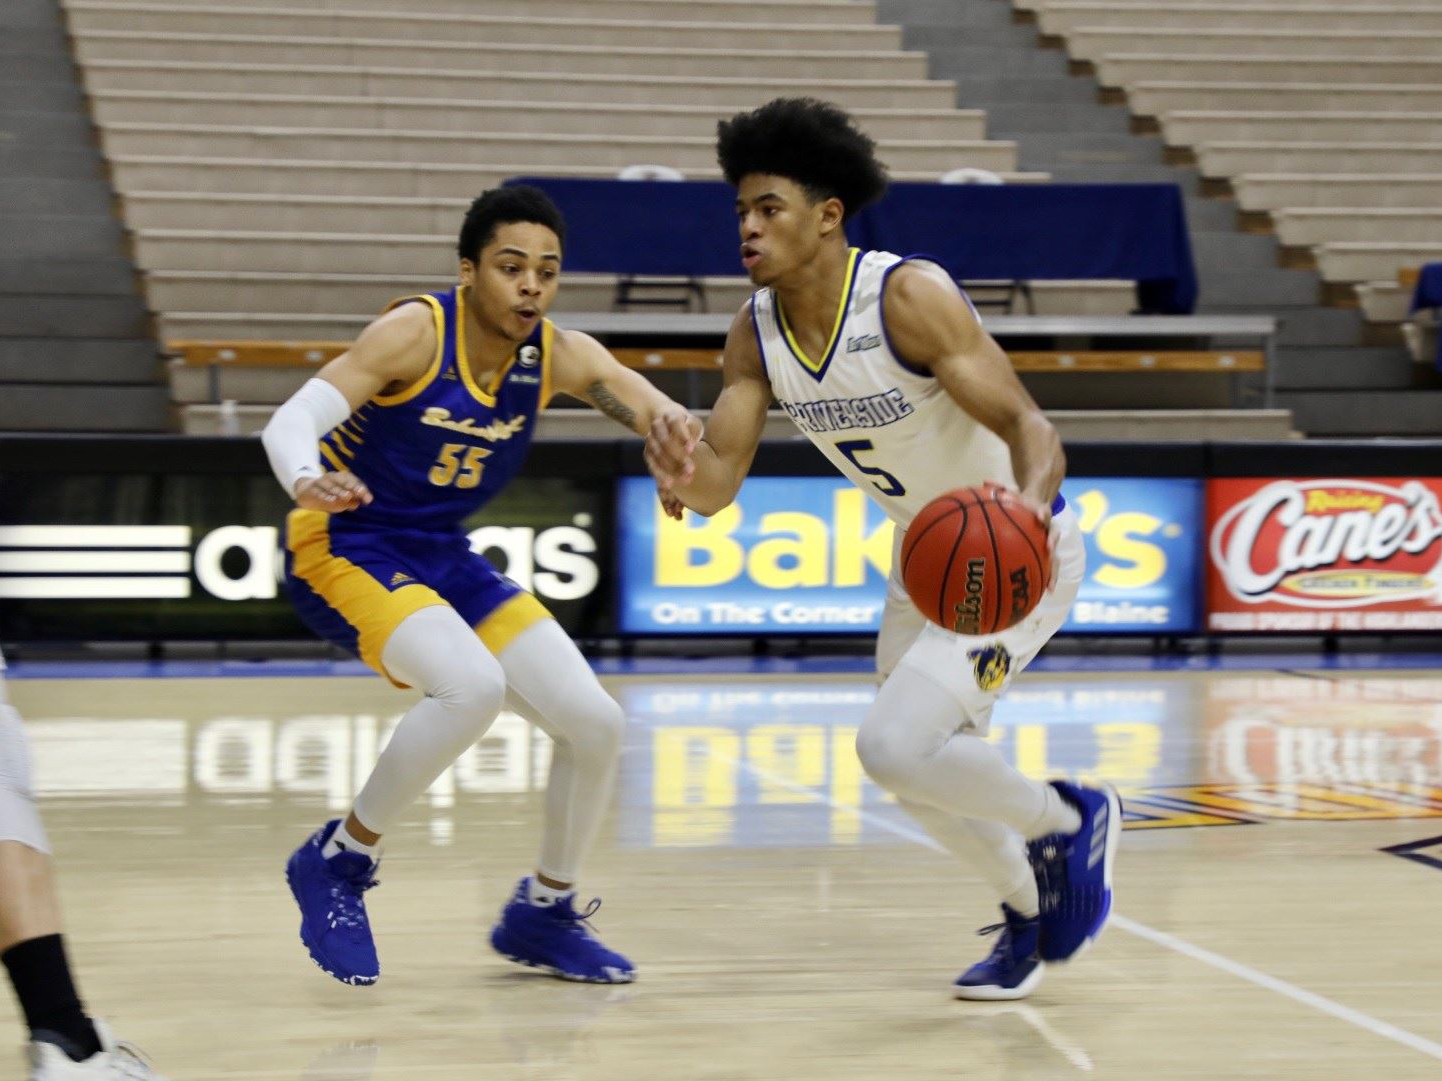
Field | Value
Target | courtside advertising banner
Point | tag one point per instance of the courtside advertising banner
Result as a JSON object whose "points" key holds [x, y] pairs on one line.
{"points": [[792, 555], [191, 556], [1327, 555], [1143, 554], [805, 555]]}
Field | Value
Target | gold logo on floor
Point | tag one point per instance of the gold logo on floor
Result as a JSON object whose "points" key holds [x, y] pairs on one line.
{"points": [[1172, 807]]}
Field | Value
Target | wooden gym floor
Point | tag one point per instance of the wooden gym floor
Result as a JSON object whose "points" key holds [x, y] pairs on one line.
{"points": [[1279, 887]]}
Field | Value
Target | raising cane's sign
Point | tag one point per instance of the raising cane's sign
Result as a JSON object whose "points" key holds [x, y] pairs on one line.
{"points": [[1325, 555]]}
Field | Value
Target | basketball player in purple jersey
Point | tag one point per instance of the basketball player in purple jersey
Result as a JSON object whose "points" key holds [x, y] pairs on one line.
{"points": [[386, 452]]}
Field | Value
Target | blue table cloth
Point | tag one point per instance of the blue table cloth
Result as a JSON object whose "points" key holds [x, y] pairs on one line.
{"points": [[1129, 232], [1428, 294]]}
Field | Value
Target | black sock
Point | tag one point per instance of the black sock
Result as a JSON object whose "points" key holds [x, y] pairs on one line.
{"points": [[47, 994]]}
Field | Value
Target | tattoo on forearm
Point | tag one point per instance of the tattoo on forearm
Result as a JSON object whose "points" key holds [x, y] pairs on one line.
{"points": [[602, 398]]}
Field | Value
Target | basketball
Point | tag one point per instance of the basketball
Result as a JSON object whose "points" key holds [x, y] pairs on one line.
{"points": [[975, 560]]}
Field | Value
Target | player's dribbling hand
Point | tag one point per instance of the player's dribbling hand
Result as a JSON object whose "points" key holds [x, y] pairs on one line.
{"points": [[1045, 516], [332, 493], [669, 444], [673, 507]]}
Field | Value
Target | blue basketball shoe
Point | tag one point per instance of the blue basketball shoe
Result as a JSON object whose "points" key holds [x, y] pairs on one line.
{"points": [[1074, 873], [333, 921], [555, 938], [1013, 970]]}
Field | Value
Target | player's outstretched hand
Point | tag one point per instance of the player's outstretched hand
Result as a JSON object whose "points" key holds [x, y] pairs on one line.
{"points": [[669, 444], [332, 493]]}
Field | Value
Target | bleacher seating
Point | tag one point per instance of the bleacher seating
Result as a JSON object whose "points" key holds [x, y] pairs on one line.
{"points": [[208, 377], [1324, 120], [287, 169]]}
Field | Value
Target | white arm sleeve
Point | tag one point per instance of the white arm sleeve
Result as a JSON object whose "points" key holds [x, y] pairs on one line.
{"points": [[291, 438]]}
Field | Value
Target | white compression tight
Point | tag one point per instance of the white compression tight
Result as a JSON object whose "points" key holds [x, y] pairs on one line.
{"points": [[19, 820], [958, 786], [543, 677]]}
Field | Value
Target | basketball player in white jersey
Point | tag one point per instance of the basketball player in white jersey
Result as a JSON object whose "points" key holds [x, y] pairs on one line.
{"points": [[65, 1044], [882, 362]]}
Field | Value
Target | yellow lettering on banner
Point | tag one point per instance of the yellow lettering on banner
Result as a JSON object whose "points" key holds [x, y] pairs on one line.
{"points": [[787, 757], [710, 537], [1118, 539], [1031, 750], [855, 547], [1093, 508], [693, 786], [805, 549], [846, 780], [1130, 751]]}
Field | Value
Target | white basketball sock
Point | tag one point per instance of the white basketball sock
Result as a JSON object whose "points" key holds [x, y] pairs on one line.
{"points": [[342, 841], [541, 895]]}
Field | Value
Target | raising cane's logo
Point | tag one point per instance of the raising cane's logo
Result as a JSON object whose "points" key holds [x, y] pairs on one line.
{"points": [[1331, 544]]}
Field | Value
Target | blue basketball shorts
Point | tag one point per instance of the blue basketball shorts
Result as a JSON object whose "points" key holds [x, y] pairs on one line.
{"points": [[354, 587]]}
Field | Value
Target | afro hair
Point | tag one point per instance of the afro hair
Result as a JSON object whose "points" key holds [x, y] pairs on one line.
{"points": [[814, 143]]}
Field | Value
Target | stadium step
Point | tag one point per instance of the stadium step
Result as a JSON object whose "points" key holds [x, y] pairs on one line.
{"points": [[821, 13], [516, 27], [73, 326], [498, 83], [77, 197], [49, 272], [85, 360], [243, 51], [1321, 327], [1014, 120], [1314, 367], [68, 407], [1242, 289], [1414, 412], [66, 316]]}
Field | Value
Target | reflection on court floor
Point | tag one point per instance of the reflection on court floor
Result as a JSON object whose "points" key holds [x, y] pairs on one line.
{"points": [[788, 920], [753, 762]]}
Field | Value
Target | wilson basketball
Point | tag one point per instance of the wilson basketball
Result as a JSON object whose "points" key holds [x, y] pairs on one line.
{"points": [[975, 560]]}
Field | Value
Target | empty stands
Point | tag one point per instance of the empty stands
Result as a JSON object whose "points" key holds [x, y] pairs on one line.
{"points": [[1324, 121]]}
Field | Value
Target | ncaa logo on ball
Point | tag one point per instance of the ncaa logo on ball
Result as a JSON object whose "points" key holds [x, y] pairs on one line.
{"points": [[528, 357], [1020, 594]]}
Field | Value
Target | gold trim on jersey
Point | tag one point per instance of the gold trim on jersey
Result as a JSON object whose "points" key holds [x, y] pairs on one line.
{"points": [[487, 396], [405, 395], [817, 367], [332, 457], [338, 437], [548, 345]]}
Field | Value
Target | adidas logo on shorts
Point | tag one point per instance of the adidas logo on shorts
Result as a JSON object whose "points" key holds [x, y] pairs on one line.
{"points": [[1099, 837]]}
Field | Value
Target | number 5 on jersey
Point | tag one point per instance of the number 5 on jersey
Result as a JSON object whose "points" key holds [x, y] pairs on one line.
{"points": [[460, 465], [885, 483]]}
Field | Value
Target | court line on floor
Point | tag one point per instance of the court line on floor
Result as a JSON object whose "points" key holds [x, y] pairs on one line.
{"points": [[1321, 1003]]}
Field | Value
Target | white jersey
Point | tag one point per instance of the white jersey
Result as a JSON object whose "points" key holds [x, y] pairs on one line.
{"points": [[891, 428]]}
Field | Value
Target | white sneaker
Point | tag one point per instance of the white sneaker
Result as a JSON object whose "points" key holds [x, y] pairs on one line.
{"points": [[116, 1061]]}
